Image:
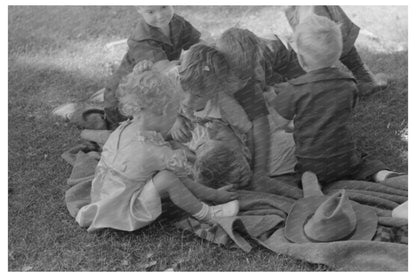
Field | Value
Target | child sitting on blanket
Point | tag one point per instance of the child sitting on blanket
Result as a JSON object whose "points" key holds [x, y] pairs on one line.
{"points": [[138, 167], [160, 34], [367, 82], [260, 62], [217, 122], [321, 104]]}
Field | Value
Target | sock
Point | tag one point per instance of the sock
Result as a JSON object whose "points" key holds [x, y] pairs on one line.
{"points": [[203, 213], [382, 175]]}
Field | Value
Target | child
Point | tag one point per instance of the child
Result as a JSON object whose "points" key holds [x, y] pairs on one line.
{"points": [[138, 167], [160, 35], [321, 104], [368, 83], [260, 62], [219, 164], [266, 60], [216, 117]]}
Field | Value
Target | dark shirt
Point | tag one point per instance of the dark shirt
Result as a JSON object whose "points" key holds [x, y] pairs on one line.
{"points": [[149, 43], [281, 62], [321, 103], [251, 99]]}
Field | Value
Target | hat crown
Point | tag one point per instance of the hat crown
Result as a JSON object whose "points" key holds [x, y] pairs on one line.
{"points": [[333, 220]]}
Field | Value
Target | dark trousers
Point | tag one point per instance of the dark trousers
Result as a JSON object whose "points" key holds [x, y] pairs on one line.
{"points": [[350, 166]]}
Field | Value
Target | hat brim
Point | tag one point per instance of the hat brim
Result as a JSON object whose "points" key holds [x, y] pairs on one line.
{"points": [[303, 208]]}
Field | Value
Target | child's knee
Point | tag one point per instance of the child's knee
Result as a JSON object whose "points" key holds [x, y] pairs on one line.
{"points": [[165, 180]]}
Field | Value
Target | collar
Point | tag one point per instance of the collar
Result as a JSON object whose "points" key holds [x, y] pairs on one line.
{"points": [[328, 73], [146, 32]]}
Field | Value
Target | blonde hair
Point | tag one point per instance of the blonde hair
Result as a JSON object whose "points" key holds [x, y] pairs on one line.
{"points": [[319, 41], [244, 52], [146, 91], [205, 69]]}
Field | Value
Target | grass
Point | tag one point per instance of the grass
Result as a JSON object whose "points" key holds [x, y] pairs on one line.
{"points": [[58, 54]]}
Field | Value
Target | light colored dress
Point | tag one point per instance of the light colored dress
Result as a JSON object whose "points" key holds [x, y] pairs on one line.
{"points": [[123, 195]]}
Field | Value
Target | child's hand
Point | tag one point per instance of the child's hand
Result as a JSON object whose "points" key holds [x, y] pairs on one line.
{"points": [[180, 130], [142, 66], [224, 194]]}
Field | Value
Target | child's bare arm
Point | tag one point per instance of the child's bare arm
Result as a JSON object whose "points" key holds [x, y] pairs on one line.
{"points": [[180, 130]]}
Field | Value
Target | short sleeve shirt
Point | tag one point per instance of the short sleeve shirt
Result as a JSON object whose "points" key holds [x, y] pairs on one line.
{"points": [[320, 103]]}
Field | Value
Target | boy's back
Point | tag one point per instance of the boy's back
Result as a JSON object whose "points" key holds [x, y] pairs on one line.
{"points": [[321, 103]]}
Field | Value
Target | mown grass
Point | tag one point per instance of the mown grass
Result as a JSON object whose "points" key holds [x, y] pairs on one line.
{"points": [[58, 54]]}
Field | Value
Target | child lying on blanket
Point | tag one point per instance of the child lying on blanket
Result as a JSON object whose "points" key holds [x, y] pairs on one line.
{"points": [[138, 167]]}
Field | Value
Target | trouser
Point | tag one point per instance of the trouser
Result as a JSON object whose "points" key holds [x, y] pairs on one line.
{"points": [[353, 62], [350, 166]]}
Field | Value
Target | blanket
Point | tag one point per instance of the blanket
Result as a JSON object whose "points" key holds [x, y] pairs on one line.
{"points": [[262, 216]]}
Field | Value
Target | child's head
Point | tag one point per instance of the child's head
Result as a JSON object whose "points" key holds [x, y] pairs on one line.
{"points": [[204, 72], [149, 93], [244, 52], [219, 164], [156, 16], [318, 42]]}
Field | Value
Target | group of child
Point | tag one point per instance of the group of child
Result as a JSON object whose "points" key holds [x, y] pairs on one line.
{"points": [[193, 130]]}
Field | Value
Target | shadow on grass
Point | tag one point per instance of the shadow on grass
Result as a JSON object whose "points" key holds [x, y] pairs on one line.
{"points": [[42, 234], [380, 121]]}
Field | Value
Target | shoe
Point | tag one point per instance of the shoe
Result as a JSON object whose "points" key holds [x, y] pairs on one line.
{"points": [[379, 82], [401, 211], [65, 111], [97, 96], [224, 210]]}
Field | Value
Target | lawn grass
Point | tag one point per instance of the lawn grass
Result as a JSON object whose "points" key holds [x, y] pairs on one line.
{"points": [[58, 54]]}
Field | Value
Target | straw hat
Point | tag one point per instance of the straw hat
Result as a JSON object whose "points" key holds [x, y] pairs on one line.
{"points": [[330, 218]]}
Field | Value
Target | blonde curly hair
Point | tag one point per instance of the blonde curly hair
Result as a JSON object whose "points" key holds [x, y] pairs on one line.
{"points": [[146, 91]]}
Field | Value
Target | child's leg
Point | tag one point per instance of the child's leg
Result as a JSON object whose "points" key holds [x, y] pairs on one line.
{"points": [[169, 185], [367, 82], [392, 179]]}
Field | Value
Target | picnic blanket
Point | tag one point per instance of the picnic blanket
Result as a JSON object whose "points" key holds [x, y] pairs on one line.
{"points": [[262, 216]]}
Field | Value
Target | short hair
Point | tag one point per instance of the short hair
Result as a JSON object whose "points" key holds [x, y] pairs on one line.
{"points": [[220, 164], [146, 91], [318, 40], [244, 52], [204, 68]]}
